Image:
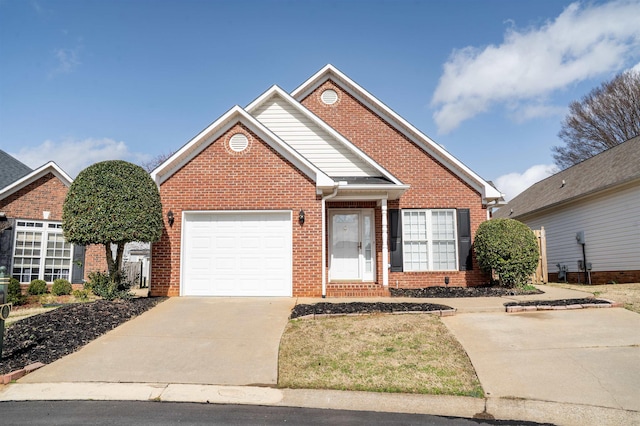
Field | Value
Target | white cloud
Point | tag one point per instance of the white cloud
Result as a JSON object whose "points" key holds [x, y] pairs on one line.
{"points": [[74, 155], [513, 184], [67, 60], [583, 42]]}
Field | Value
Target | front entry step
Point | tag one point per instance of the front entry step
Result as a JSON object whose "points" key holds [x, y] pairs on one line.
{"points": [[357, 290]]}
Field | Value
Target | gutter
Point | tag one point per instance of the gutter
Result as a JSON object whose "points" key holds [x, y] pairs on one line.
{"points": [[324, 239]]}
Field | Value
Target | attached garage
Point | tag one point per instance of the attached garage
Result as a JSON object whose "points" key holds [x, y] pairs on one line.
{"points": [[237, 253]]}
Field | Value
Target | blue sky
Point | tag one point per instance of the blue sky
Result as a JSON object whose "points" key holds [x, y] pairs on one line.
{"points": [[84, 81]]}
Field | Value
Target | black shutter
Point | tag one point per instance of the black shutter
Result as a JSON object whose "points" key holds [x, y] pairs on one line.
{"points": [[6, 244], [465, 259], [395, 238], [77, 264]]}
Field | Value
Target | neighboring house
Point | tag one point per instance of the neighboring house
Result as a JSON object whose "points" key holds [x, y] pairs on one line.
{"points": [[324, 191], [598, 201], [31, 242]]}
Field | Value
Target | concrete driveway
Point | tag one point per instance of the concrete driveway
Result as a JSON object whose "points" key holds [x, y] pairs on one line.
{"points": [[226, 341], [586, 356]]}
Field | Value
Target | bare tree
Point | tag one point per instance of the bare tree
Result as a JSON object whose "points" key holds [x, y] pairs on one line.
{"points": [[150, 165], [604, 118]]}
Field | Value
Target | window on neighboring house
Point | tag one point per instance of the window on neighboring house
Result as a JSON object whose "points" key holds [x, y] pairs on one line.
{"points": [[429, 240], [40, 252]]}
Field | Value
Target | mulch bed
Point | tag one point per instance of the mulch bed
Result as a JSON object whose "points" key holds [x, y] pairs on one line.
{"points": [[443, 292], [363, 308], [49, 336], [560, 302]]}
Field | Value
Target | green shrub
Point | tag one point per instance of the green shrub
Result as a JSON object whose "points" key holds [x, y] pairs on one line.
{"points": [[37, 287], [14, 293], [81, 294], [509, 248], [101, 285], [61, 287]]}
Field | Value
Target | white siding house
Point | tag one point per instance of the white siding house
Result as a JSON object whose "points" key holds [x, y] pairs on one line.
{"points": [[598, 198]]}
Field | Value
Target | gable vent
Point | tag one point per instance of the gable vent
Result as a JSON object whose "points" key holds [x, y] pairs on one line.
{"points": [[238, 142], [329, 97]]}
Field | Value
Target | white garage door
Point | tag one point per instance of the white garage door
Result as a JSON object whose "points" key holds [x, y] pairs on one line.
{"points": [[237, 254]]}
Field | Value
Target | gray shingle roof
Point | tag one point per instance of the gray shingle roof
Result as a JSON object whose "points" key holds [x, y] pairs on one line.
{"points": [[11, 169], [610, 168]]}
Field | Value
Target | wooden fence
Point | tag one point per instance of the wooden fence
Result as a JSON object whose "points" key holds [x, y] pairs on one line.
{"points": [[541, 275]]}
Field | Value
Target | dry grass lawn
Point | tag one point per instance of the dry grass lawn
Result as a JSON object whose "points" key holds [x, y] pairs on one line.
{"points": [[378, 353], [628, 294]]}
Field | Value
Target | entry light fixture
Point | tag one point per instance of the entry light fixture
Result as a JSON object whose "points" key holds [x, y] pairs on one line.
{"points": [[301, 217], [170, 218]]}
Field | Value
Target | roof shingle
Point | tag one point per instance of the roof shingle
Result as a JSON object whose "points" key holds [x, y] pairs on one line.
{"points": [[11, 169], [610, 168]]}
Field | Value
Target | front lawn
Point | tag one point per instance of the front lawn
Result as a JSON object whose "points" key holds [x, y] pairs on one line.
{"points": [[411, 353]]}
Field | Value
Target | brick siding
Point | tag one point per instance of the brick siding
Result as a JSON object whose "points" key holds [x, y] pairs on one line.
{"points": [[255, 179], [433, 186], [47, 194]]}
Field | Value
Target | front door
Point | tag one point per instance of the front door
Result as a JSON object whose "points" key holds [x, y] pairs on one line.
{"points": [[351, 245]]}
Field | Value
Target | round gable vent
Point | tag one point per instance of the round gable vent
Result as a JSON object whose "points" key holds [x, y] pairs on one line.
{"points": [[329, 97], [238, 142]]}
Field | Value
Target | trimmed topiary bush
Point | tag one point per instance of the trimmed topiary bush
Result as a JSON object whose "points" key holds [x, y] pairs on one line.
{"points": [[509, 248], [61, 287], [37, 287], [14, 293]]}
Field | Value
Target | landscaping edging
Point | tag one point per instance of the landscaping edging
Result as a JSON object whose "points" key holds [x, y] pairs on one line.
{"points": [[16, 374], [324, 309], [440, 313], [542, 305]]}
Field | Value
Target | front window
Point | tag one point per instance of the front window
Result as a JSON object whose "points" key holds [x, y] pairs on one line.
{"points": [[40, 252], [429, 240]]}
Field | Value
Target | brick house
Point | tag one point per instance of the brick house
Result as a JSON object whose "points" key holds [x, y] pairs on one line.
{"points": [[324, 191], [32, 245]]}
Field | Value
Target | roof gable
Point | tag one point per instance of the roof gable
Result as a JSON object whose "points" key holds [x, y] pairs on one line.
{"points": [[329, 72], [313, 138], [41, 171], [11, 169], [216, 129], [611, 168]]}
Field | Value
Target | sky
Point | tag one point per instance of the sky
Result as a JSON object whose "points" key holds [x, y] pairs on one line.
{"points": [[83, 81]]}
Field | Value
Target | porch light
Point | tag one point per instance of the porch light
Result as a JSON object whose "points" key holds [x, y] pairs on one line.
{"points": [[301, 217], [170, 218]]}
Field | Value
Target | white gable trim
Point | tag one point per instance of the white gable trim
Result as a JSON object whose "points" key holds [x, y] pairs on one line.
{"points": [[489, 193], [49, 167], [216, 129], [275, 90]]}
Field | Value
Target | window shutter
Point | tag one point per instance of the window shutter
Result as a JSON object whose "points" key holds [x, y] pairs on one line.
{"points": [[395, 237], [465, 260], [77, 264], [6, 245]]}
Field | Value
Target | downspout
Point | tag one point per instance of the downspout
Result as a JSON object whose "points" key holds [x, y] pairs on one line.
{"points": [[324, 240]]}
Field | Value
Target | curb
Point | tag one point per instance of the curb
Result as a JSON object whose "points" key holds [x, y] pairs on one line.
{"points": [[514, 409]]}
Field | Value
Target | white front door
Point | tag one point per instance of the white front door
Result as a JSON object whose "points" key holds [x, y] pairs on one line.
{"points": [[351, 245]]}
